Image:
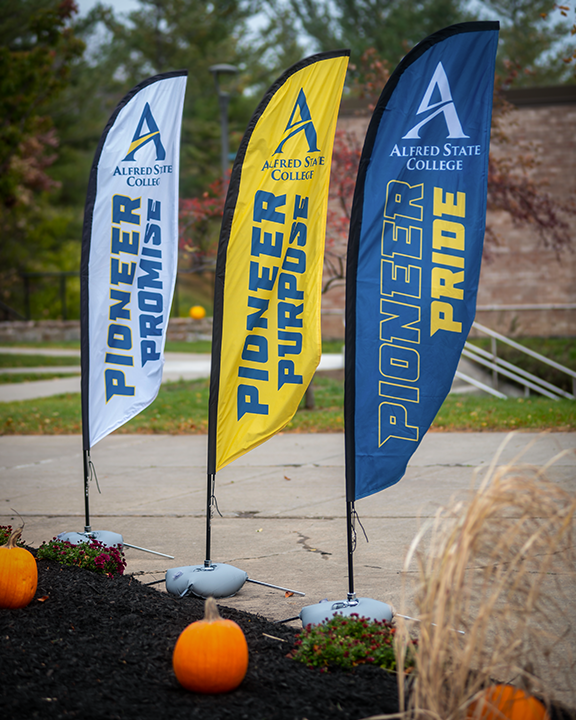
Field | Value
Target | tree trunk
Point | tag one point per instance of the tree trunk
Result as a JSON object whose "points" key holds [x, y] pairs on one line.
{"points": [[309, 397]]}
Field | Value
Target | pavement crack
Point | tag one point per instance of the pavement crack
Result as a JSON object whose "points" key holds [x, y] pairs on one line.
{"points": [[259, 557], [303, 540]]}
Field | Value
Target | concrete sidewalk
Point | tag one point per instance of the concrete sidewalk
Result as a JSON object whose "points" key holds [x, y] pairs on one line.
{"points": [[282, 505]]}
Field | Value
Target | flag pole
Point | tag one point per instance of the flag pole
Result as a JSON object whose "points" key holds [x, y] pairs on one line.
{"points": [[351, 543], [211, 481], [95, 291], [237, 420], [87, 527], [85, 341], [106, 537], [394, 391]]}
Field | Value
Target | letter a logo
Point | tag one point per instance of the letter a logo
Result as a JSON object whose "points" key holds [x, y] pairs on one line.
{"points": [[300, 121], [445, 106], [153, 135]]}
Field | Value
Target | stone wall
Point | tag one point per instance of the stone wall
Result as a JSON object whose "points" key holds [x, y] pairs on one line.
{"points": [[188, 330], [25, 331], [179, 329]]}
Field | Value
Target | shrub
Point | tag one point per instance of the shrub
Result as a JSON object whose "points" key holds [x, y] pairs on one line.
{"points": [[347, 642], [91, 555], [5, 532]]}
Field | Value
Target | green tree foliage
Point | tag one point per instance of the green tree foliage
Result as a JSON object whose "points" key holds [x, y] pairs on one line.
{"points": [[122, 51], [55, 100], [275, 44], [533, 36], [37, 48], [568, 14], [391, 27], [164, 35], [533, 39]]}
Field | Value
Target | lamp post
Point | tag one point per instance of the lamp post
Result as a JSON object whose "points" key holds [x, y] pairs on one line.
{"points": [[223, 98]]}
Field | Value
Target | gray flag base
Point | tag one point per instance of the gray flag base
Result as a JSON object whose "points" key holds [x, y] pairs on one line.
{"points": [[364, 607], [106, 537], [216, 580]]}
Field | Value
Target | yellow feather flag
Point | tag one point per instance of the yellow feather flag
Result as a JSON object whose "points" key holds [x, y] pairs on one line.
{"points": [[266, 337]]}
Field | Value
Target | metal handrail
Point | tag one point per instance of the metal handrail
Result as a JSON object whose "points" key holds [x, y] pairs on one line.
{"points": [[517, 374], [11, 311], [511, 375], [480, 385], [502, 367], [523, 349]]}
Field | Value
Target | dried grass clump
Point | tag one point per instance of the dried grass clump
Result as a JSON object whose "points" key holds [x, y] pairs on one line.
{"points": [[500, 567]]}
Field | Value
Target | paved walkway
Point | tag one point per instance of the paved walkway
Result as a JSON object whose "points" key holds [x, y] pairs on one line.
{"points": [[282, 509], [282, 505], [177, 366]]}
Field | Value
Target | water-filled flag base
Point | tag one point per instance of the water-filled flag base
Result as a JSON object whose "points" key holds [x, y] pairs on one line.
{"points": [[217, 580], [106, 537], [364, 607]]}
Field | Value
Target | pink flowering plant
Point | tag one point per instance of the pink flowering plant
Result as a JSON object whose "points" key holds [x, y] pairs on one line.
{"points": [[5, 532], [347, 642], [92, 555]]}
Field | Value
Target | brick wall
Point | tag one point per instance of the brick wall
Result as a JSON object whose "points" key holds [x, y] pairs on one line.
{"points": [[521, 271], [525, 288]]}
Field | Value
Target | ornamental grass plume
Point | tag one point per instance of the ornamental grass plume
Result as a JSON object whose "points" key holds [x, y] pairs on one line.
{"points": [[501, 568]]}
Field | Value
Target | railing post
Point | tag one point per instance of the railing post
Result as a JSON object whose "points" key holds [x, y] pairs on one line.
{"points": [[521, 375], [63, 295], [176, 298], [26, 295], [494, 359]]}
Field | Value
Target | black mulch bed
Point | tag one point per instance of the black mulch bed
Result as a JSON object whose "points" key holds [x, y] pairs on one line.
{"points": [[101, 648]]}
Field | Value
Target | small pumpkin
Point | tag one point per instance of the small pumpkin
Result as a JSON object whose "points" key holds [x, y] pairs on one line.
{"points": [[211, 655], [506, 701], [18, 574], [197, 312]]}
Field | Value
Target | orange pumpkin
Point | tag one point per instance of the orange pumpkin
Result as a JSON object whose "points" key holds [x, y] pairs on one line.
{"points": [[18, 574], [211, 655], [506, 701], [197, 312]]}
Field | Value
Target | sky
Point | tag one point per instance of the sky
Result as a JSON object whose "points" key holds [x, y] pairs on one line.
{"points": [[120, 6]]}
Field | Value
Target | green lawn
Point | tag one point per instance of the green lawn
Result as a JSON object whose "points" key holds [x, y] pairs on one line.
{"points": [[182, 407], [66, 344], [199, 346], [9, 360], [8, 378]]}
